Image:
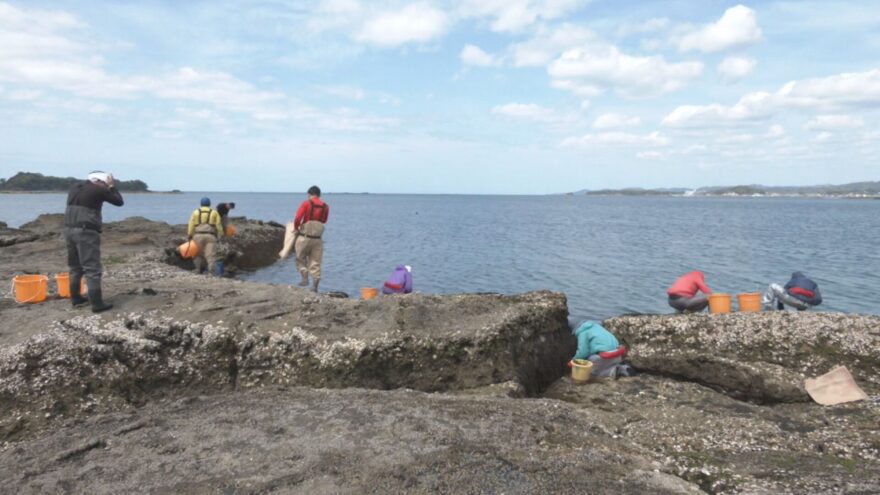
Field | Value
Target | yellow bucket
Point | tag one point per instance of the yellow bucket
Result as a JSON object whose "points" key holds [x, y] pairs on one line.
{"points": [[62, 281], [581, 370], [230, 230], [188, 249], [719, 303], [30, 288], [749, 302], [368, 293]]}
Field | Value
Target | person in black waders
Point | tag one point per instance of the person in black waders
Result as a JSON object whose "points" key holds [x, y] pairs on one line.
{"points": [[309, 224], [204, 228], [82, 231], [223, 211]]}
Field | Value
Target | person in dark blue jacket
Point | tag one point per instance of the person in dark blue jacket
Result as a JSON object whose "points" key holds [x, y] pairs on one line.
{"points": [[801, 292]]}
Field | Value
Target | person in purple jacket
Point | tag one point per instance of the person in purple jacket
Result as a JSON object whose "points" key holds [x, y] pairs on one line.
{"points": [[400, 281]]}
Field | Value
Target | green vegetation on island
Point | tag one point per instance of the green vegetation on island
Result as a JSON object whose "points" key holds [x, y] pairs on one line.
{"points": [[851, 190], [34, 182]]}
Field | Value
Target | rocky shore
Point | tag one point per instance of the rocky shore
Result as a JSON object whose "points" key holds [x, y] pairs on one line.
{"points": [[196, 384]]}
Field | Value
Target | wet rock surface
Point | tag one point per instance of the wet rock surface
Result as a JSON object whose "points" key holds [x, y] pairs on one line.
{"points": [[87, 364], [725, 445], [335, 441], [763, 357], [8, 236]]}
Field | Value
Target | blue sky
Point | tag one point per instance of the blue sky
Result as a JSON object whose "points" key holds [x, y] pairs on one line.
{"points": [[453, 96]]}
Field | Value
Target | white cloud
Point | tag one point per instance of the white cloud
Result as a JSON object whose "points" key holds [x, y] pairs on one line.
{"points": [[694, 148], [578, 89], [615, 121], [24, 95], [737, 28], [529, 111], [346, 119], [654, 139], [849, 90], [735, 139], [54, 57], [474, 55], [548, 44], [217, 88], [775, 131], [701, 115], [651, 155], [834, 122], [415, 23], [343, 91], [516, 15], [734, 68], [630, 76]]}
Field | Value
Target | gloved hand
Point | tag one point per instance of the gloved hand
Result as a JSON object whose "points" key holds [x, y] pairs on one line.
{"points": [[569, 364]]}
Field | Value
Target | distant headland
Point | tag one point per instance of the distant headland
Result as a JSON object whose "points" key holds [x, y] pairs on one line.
{"points": [[34, 182], [851, 190]]}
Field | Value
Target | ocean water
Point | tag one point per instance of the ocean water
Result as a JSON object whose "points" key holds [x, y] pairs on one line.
{"points": [[609, 255]]}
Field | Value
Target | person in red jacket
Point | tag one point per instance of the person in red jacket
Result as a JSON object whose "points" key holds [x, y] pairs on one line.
{"points": [[309, 247], [683, 293]]}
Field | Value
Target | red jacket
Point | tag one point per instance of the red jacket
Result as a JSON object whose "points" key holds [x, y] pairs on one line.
{"points": [[688, 284], [311, 209]]}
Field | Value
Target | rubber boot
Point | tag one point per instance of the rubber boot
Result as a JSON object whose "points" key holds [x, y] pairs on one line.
{"points": [[197, 263], [98, 304], [305, 280], [315, 285], [75, 297]]}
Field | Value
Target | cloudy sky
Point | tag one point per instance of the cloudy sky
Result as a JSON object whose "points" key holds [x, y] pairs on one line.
{"points": [[458, 96]]}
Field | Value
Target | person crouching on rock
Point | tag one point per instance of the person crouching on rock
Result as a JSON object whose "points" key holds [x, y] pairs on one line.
{"points": [[204, 228], [801, 292], [683, 293], [309, 247], [223, 211], [399, 282], [82, 233], [600, 347]]}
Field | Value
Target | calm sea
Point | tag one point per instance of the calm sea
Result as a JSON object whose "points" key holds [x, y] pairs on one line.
{"points": [[610, 255]]}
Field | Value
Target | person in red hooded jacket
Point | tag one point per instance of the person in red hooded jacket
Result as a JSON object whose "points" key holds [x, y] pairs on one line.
{"points": [[683, 293], [309, 247]]}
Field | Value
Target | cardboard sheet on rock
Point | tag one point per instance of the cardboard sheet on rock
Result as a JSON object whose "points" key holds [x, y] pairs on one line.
{"points": [[835, 387]]}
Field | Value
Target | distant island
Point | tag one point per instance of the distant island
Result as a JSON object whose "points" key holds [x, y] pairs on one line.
{"points": [[34, 182], [851, 190]]}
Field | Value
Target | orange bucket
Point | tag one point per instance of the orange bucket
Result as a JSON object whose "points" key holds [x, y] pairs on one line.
{"points": [[230, 230], [368, 293], [749, 302], [188, 249], [719, 303], [62, 281], [30, 288]]}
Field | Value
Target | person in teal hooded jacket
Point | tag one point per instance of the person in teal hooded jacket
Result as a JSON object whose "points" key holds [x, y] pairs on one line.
{"points": [[592, 339]]}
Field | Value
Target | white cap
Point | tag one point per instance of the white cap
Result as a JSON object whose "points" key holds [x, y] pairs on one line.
{"points": [[408, 268], [99, 176]]}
